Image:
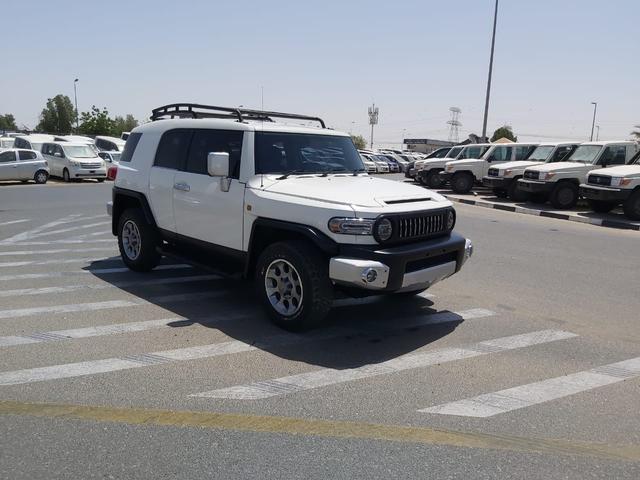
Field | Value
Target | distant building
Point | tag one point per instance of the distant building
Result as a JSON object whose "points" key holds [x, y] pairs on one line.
{"points": [[425, 145]]}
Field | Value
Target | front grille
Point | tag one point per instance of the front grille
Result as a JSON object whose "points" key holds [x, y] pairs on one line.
{"points": [[493, 172], [420, 226], [531, 175], [91, 166], [599, 180]]}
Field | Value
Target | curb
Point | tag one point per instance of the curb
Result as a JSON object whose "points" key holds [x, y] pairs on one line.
{"points": [[600, 222]]}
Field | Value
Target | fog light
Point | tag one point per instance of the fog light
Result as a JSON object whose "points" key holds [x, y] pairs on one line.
{"points": [[369, 275]]}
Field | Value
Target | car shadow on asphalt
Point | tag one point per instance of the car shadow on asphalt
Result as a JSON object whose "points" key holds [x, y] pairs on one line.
{"points": [[357, 332]]}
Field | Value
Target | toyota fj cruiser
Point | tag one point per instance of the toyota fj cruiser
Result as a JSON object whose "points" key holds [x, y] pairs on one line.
{"points": [[560, 182], [289, 206], [606, 189]]}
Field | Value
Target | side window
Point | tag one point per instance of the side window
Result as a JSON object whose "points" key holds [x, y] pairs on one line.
{"points": [[172, 149], [100, 144], [27, 155], [57, 151], [205, 141], [561, 153], [522, 152], [111, 147], [45, 149], [20, 143], [7, 157], [500, 154], [130, 147], [613, 155]]}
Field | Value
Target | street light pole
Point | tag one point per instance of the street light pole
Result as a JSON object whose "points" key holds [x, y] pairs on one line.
{"points": [[373, 119], [486, 103], [597, 132], [593, 124], [75, 98]]}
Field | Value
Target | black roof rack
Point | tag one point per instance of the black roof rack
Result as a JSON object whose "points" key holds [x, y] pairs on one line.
{"points": [[240, 114]]}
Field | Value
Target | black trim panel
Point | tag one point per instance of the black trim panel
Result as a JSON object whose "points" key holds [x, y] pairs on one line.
{"points": [[118, 192]]}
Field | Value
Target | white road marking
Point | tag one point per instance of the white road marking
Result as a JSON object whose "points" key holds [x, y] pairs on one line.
{"points": [[189, 353], [27, 235], [102, 286], [54, 262], [96, 234], [102, 271], [524, 396], [331, 376], [59, 250], [13, 222], [70, 229], [67, 241], [87, 307]]}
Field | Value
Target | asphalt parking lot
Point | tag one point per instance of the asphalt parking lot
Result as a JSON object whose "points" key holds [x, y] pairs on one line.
{"points": [[526, 363]]}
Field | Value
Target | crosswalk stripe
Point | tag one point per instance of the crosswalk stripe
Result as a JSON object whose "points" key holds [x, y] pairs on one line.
{"points": [[206, 351], [96, 234], [27, 234], [13, 222], [524, 396], [88, 307], [66, 241], [101, 271], [102, 286], [36, 263], [330, 376], [69, 229], [59, 250]]}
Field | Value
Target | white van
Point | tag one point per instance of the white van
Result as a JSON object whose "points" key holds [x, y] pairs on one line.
{"points": [[109, 144], [74, 161], [32, 142]]}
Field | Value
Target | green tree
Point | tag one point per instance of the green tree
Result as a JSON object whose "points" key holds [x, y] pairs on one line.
{"points": [[125, 124], [97, 122], [359, 141], [8, 122], [636, 133], [57, 116], [504, 132]]}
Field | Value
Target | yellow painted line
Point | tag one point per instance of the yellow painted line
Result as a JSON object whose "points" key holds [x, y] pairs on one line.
{"points": [[320, 428]]}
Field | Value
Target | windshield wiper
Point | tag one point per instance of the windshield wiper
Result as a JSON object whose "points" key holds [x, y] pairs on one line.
{"points": [[290, 172], [335, 170]]}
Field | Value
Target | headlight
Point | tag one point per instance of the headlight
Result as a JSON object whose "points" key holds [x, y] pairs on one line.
{"points": [[451, 219], [507, 172], [546, 175], [449, 168], [351, 226], [383, 230], [620, 181], [74, 163]]}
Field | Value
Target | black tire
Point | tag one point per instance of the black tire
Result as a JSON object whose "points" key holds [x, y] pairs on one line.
{"points": [[499, 192], [434, 180], [600, 206], [420, 178], [538, 198], [147, 257], [100, 180], [311, 269], [462, 182], [564, 195], [631, 206], [65, 175], [41, 177], [514, 193]]}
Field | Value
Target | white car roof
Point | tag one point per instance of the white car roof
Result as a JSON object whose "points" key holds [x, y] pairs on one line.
{"points": [[69, 144], [611, 142], [37, 137], [116, 140]]}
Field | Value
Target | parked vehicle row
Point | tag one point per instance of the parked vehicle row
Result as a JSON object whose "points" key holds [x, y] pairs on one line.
{"points": [[560, 173], [388, 161]]}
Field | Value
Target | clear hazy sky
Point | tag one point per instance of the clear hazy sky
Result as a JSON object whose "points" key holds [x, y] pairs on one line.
{"points": [[415, 59]]}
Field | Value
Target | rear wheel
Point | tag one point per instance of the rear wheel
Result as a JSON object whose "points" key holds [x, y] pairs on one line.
{"points": [[600, 206], [138, 241], [462, 182], [41, 177], [564, 195], [515, 194], [632, 206], [434, 180], [292, 282]]}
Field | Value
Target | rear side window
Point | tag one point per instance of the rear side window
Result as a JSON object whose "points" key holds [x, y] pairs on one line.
{"points": [[130, 147], [206, 141], [27, 155], [7, 157], [172, 149], [21, 143]]}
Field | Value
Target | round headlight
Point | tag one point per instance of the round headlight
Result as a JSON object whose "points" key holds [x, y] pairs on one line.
{"points": [[384, 230], [451, 220]]}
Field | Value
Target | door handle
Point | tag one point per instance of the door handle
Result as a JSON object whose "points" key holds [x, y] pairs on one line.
{"points": [[181, 186]]}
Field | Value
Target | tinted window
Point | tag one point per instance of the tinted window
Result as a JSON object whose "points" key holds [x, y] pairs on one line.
{"points": [[172, 150], [614, 155], [130, 147], [500, 154], [7, 157], [27, 155], [562, 152], [206, 141], [21, 143], [523, 152]]}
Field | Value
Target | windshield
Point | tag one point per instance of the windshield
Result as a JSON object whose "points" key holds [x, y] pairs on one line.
{"points": [[304, 153], [454, 152], [380, 158], [79, 151], [585, 154], [541, 154], [115, 157], [440, 153], [475, 151]]}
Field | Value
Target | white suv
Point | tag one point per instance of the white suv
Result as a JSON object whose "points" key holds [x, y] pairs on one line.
{"points": [[286, 205]]}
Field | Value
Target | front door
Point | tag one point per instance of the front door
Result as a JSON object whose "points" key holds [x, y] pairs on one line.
{"points": [[202, 209], [8, 166], [500, 154]]}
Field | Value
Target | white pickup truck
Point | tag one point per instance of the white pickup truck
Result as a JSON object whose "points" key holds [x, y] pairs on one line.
{"points": [[430, 173], [606, 189], [503, 179], [560, 182], [290, 207], [464, 174]]}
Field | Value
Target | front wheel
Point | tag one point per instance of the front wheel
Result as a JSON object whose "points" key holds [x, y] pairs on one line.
{"points": [[500, 192], [632, 206], [137, 241], [564, 195], [434, 180], [65, 175], [600, 206], [462, 182], [514, 193], [292, 282], [41, 177]]}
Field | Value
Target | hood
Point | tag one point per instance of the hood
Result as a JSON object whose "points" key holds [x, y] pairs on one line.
{"points": [[518, 164], [621, 171], [464, 163], [562, 167], [357, 191]]}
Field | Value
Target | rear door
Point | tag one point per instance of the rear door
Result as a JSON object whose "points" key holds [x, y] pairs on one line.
{"points": [[8, 166], [28, 164], [202, 209]]}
